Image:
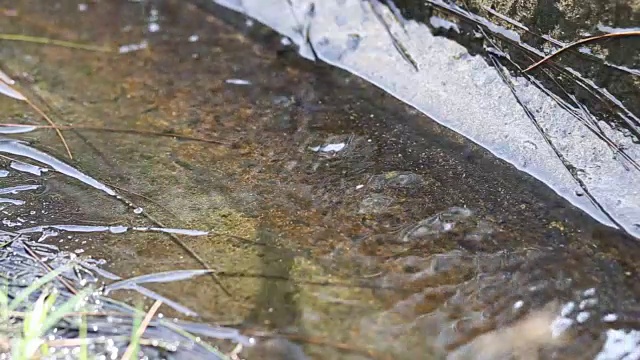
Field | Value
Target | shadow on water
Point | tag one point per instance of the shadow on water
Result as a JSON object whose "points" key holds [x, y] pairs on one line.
{"points": [[355, 220]]}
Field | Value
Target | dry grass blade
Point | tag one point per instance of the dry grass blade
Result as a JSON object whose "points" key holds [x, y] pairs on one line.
{"points": [[580, 42], [47, 41], [8, 90], [46, 266], [12, 159], [71, 342], [53, 125], [143, 326]]}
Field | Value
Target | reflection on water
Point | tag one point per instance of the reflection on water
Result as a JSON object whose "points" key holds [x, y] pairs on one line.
{"points": [[337, 217]]}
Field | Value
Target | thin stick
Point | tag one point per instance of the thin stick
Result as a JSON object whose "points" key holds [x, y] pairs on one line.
{"points": [[47, 41], [13, 159], [582, 41], [143, 326], [143, 197], [53, 125], [126, 131], [49, 268], [176, 240]]}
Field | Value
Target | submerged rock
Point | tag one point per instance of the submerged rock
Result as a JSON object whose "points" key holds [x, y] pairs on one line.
{"points": [[375, 204], [395, 180], [276, 349], [438, 224]]}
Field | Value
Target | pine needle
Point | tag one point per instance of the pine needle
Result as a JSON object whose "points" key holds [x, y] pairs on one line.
{"points": [[580, 42], [47, 41]]}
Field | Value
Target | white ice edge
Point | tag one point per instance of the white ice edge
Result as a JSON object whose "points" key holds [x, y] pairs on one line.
{"points": [[483, 109]]}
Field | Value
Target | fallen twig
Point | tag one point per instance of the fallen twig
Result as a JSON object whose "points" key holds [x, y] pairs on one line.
{"points": [[46, 266], [53, 125], [176, 240], [13, 159], [580, 42]]}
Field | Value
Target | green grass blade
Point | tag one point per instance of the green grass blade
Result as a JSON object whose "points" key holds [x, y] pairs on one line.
{"points": [[44, 350], [48, 305], [175, 327], [135, 340], [4, 301], [32, 325], [39, 320], [84, 348], [65, 309], [24, 294]]}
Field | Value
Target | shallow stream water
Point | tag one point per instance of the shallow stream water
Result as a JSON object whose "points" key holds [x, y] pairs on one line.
{"points": [[332, 212]]}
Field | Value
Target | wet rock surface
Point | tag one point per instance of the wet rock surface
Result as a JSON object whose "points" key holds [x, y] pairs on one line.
{"points": [[356, 219]]}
